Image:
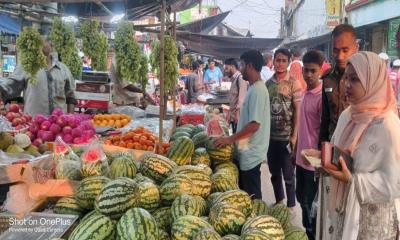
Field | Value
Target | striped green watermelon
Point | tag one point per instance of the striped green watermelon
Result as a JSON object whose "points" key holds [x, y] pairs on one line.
{"points": [[181, 151], [70, 206], [117, 197], [237, 198], [175, 186], [177, 135], [137, 224], [201, 182], [206, 168], [281, 212], [207, 234], [156, 167], [222, 182], [95, 227], [149, 196], [231, 237], [163, 218], [68, 169], [219, 154], [267, 224], [255, 234], [191, 126], [295, 233], [211, 199], [89, 215], [200, 140], [185, 205], [200, 156], [186, 227], [123, 166], [188, 130], [226, 219], [202, 205], [198, 128], [228, 166], [260, 207], [139, 178], [163, 235], [88, 189]]}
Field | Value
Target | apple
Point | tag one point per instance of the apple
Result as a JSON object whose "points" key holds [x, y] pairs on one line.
{"points": [[10, 116], [14, 108], [15, 122]]}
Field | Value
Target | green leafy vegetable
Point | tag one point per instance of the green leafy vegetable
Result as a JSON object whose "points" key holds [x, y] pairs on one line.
{"points": [[171, 62], [63, 39], [30, 46], [95, 44], [127, 53], [143, 71]]}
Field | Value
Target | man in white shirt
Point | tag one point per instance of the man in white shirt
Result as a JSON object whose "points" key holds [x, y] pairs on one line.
{"points": [[266, 71]]}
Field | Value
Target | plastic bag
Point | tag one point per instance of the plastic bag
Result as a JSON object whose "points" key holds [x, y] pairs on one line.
{"points": [[63, 152], [134, 112], [94, 161], [214, 127]]}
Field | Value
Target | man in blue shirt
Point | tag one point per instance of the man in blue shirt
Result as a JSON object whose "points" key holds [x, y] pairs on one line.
{"points": [[213, 75], [253, 130]]}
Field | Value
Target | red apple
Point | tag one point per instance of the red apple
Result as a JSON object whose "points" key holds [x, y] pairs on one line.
{"points": [[23, 120], [14, 108], [10, 116], [16, 121]]}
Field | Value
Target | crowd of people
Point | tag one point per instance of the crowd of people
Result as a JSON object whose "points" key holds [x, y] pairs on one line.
{"points": [[286, 118]]}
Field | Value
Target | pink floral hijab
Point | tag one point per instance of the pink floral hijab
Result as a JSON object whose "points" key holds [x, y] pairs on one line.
{"points": [[378, 100]]}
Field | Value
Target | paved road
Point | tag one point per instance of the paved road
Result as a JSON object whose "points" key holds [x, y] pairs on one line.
{"points": [[268, 193]]}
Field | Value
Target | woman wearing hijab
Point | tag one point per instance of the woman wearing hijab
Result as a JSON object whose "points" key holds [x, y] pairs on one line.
{"points": [[365, 204]]}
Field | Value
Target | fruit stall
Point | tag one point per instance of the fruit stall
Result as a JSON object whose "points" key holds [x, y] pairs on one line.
{"points": [[121, 174]]}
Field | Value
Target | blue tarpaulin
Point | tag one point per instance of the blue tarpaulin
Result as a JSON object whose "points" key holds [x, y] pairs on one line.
{"points": [[9, 25]]}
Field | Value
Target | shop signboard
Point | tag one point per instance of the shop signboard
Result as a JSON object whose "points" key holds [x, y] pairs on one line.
{"points": [[393, 38], [333, 9]]}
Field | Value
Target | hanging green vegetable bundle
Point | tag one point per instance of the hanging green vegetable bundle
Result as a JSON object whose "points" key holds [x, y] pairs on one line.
{"points": [[30, 48], [127, 53], [171, 62], [143, 71], [63, 39], [95, 44]]}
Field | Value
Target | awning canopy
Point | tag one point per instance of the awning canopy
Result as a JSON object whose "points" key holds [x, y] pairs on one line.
{"points": [[204, 25], [134, 9], [9, 25], [309, 42], [224, 47]]}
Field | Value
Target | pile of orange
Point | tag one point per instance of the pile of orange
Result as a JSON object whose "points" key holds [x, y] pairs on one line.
{"points": [[111, 120], [139, 139]]}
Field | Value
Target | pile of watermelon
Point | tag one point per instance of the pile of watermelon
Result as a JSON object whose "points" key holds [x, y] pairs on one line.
{"points": [[191, 194]]}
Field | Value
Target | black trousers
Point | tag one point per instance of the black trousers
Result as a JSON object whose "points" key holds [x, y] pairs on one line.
{"points": [[250, 182], [279, 163], [306, 189], [234, 127]]}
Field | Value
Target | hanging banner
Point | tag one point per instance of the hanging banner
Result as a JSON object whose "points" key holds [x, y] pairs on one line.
{"points": [[394, 38], [333, 9]]}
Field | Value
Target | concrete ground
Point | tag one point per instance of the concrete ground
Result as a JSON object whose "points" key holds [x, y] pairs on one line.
{"points": [[268, 193]]}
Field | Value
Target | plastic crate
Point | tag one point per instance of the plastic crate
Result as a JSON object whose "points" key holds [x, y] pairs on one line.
{"points": [[191, 119]]}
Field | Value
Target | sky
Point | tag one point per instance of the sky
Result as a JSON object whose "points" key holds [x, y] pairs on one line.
{"points": [[263, 16]]}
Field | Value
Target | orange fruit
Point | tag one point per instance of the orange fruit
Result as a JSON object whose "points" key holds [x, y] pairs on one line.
{"points": [[122, 144], [111, 122], [118, 124], [124, 122], [150, 148], [130, 145], [107, 142]]}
